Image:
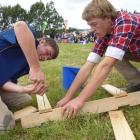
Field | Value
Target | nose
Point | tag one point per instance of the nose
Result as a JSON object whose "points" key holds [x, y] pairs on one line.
{"points": [[92, 29]]}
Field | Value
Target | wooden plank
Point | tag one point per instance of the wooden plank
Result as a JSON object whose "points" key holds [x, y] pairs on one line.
{"points": [[114, 90], [36, 119], [47, 103], [43, 104], [120, 95], [120, 126], [97, 106], [24, 112]]}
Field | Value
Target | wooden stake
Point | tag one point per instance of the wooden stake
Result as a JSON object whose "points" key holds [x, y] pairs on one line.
{"points": [[43, 104]]}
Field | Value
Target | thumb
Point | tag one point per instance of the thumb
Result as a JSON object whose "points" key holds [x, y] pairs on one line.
{"points": [[57, 105], [30, 88]]}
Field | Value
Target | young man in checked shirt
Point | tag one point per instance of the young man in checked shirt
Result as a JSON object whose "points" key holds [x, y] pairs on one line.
{"points": [[118, 39]]}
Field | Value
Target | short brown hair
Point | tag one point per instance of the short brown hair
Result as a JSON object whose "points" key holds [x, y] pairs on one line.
{"points": [[52, 43], [99, 8]]}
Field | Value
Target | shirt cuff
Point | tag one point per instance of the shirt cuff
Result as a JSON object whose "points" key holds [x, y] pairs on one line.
{"points": [[93, 57], [115, 52]]}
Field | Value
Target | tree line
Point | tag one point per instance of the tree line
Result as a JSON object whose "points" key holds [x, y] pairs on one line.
{"points": [[44, 18]]}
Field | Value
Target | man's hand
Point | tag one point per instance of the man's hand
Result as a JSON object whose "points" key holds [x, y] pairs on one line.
{"points": [[31, 89], [15, 88], [71, 108], [63, 101], [36, 75], [38, 78], [27, 89]]}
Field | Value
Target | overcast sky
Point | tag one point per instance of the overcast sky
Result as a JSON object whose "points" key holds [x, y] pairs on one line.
{"points": [[72, 9]]}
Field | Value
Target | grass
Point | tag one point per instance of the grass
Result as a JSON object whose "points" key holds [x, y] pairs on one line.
{"points": [[86, 127]]}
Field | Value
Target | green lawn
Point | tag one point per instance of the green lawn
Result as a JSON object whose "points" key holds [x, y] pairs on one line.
{"points": [[87, 127]]}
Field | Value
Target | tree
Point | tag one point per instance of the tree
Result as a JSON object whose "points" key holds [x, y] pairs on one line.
{"points": [[55, 21], [18, 13], [9, 15], [5, 16], [37, 16]]}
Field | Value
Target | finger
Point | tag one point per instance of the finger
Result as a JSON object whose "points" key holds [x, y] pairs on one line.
{"points": [[41, 79], [33, 79], [57, 105], [36, 84], [42, 91], [70, 114], [40, 87], [63, 111], [74, 113], [66, 113], [37, 81], [31, 87], [28, 89]]}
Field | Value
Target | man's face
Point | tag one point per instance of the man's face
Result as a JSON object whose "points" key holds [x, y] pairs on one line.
{"points": [[100, 26], [45, 52]]}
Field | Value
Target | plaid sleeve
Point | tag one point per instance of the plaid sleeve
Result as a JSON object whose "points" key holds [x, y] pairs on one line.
{"points": [[97, 51], [123, 33], [100, 46]]}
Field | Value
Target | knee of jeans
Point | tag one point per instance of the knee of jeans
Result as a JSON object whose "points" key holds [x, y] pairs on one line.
{"points": [[26, 98], [7, 121], [21, 102]]}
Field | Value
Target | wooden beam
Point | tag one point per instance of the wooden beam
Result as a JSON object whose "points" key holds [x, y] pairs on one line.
{"points": [[114, 90], [97, 106], [36, 119], [120, 126], [24, 112], [43, 104]]}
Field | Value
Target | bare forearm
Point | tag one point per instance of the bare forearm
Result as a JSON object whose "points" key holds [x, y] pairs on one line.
{"points": [[99, 76], [97, 79], [27, 43], [11, 87]]}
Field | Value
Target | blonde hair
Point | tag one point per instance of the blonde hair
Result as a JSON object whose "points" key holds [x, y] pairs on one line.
{"points": [[99, 8]]}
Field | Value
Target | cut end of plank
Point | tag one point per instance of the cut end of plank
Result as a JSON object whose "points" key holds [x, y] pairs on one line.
{"points": [[114, 90]]}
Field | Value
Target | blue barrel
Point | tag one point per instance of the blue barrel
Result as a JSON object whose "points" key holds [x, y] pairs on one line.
{"points": [[69, 74]]}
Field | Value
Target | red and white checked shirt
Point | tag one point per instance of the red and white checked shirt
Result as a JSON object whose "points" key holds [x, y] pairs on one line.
{"points": [[125, 37]]}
